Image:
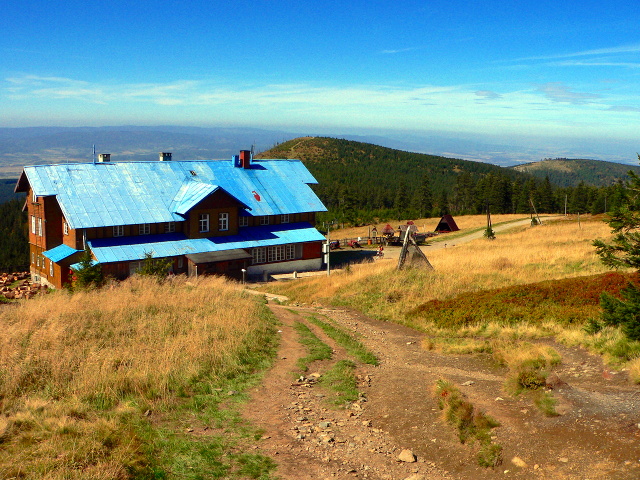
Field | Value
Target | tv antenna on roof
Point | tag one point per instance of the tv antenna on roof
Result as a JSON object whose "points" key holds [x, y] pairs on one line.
{"points": [[252, 149], [94, 153]]}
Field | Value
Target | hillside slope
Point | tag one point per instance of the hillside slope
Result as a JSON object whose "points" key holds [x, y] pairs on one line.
{"points": [[567, 172], [374, 177]]}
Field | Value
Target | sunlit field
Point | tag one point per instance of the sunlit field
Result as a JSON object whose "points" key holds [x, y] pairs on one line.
{"points": [[90, 382], [554, 250], [464, 222]]}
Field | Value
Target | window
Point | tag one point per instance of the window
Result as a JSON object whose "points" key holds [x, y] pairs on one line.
{"points": [[50, 268], [284, 218], [33, 258], [223, 222], [118, 231], [243, 221], [276, 253], [65, 228], [203, 222], [259, 255], [40, 227], [34, 197], [33, 224], [144, 229], [180, 262], [264, 220], [169, 227]]}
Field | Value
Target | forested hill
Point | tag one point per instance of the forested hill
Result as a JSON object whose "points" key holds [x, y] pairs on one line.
{"points": [[360, 182], [568, 172], [370, 177]]}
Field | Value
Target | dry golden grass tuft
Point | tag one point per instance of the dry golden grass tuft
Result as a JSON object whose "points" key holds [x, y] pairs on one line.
{"points": [[78, 371]]}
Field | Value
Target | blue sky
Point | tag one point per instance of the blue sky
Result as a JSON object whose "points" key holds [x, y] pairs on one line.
{"points": [[506, 69]]}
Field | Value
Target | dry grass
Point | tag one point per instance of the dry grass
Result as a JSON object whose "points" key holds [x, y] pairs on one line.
{"points": [[78, 372], [525, 255], [464, 222], [634, 370]]}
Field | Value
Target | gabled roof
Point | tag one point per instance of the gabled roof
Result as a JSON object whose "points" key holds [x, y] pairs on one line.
{"points": [[129, 193], [125, 249]]}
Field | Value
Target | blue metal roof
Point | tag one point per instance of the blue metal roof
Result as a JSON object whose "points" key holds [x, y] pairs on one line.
{"points": [[123, 249], [60, 253], [129, 193]]}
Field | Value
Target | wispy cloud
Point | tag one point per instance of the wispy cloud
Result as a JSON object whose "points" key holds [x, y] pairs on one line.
{"points": [[588, 53], [488, 94], [595, 63], [559, 92], [400, 50], [550, 107], [624, 108]]}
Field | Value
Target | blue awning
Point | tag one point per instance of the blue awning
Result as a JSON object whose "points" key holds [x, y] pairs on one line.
{"points": [[60, 253], [123, 249]]}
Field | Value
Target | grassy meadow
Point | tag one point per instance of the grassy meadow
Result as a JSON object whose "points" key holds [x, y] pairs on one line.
{"points": [[136, 380], [529, 282]]}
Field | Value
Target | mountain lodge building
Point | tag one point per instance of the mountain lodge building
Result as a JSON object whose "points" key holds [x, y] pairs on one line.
{"points": [[206, 216]]}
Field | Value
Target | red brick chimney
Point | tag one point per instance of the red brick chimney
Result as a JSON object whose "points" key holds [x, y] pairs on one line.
{"points": [[245, 158]]}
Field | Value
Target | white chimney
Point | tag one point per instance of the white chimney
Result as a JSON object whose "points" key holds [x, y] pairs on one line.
{"points": [[164, 156], [104, 157]]}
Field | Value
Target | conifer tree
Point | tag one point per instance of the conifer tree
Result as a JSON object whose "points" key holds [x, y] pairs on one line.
{"points": [[623, 252]]}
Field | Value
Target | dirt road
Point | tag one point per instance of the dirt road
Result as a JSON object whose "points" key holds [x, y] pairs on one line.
{"points": [[597, 435]]}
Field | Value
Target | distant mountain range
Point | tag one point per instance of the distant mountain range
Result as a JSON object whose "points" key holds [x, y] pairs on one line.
{"points": [[42, 145], [568, 172], [38, 145]]}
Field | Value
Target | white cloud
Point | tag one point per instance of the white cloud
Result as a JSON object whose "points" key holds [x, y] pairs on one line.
{"points": [[587, 53], [488, 94], [559, 92], [548, 108]]}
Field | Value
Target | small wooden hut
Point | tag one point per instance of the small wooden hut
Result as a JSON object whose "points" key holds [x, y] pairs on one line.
{"points": [[447, 224]]}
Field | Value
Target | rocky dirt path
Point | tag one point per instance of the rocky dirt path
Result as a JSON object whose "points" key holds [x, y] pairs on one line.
{"points": [[597, 435]]}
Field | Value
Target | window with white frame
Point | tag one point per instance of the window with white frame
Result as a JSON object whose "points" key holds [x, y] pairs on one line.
{"points": [[284, 218], [144, 229], [33, 258], [203, 222], [39, 227], [33, 224], [223, 222], [259, 255], [243, 221], [275, 253], [65, 228], [169, 227], [50, 268], [34, 197], [118, 231], [264, 220]]}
